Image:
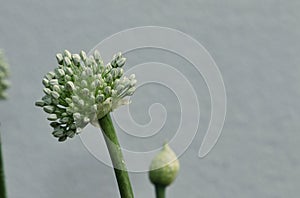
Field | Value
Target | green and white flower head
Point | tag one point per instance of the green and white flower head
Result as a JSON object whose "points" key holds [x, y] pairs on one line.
{"points": [[3, 76], [82, 90]]}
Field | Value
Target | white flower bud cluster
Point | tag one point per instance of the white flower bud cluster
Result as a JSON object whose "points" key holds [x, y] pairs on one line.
{"points": [[3, 76], [82, 90]]}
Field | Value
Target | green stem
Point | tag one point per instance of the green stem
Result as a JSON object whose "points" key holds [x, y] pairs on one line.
{"points": [[2, 182], [116, 156], [160, 191]]}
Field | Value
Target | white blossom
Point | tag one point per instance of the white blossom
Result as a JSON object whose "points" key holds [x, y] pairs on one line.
{"points": [[82, 90]]}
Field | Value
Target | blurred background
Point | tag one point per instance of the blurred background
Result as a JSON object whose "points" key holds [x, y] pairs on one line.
{"points": [[256, 46]]}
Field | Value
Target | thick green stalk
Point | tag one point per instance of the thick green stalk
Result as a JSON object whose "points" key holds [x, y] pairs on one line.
{"points": [[2, 180], [116, 156], [160, 191]]}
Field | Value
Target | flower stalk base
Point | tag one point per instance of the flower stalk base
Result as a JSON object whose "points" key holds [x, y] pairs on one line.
{"points": [[160, 191], [116, 156], [2, 178]]}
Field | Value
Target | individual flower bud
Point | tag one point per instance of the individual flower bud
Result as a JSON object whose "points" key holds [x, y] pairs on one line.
{"points": [[117, 81], [64, 114], [55, 101], [77, 116], [55, 95], [67, 54], [107, 90], [76, 59], [47, 99], [109, 78], [93, 85], [5, 84], [49, 109], [68, 78], [164, 167], [100, 82], [39, 103], [120, 89], [84, 83], [52, 117], [86, 119], [58, 132], [90, 61], [121, 72], [108, 67], [45, 82], [69, 109], [64, 120], [50, 75], [85, 92], [75, 99], [131, 91], [121, 62], [94, 108], [67, 61], [83, 55], [133, 82], [53, 82], [89, 72], [114, 73], [63, 138], [59, 58], [73, 126], [60, 72], [68, 100], [68, 71], [100, 98], [47, 91], [56, 88], [132, 76], [70, 133], [97, 55], [70, 86], [81, 103], [54, 124]]}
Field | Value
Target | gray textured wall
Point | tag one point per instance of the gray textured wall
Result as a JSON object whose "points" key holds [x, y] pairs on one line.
{"points": [[256, 46]]}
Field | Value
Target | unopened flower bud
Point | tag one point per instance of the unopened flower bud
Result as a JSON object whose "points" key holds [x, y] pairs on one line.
{"points": [[55, 94], [97, 55], [67, 54], [67, 61], [45, 82], [50, 75], [47, 91], [49, 109], [59, 58], [70, 86], [53, 82], [60, 72], [69, 71], [121, 62], [164, 167], [52, 117], [83, 55], [56, 88], [76, 59], [39, 103], [58, 133]]}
